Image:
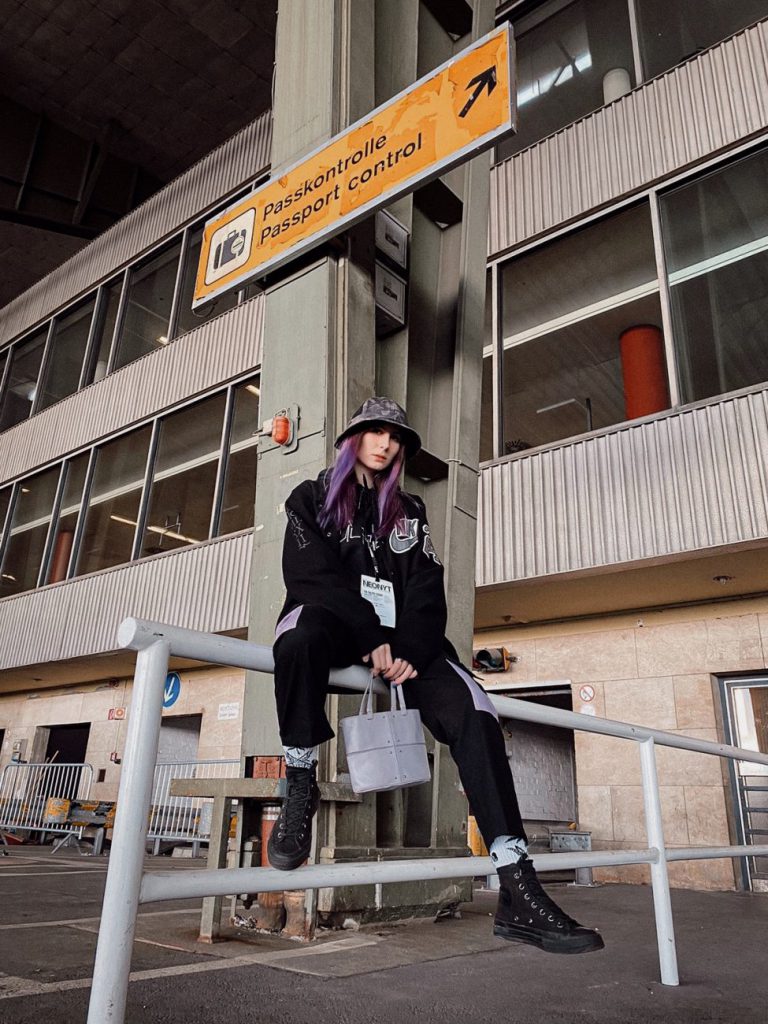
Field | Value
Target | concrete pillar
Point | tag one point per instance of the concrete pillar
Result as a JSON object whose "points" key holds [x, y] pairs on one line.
{"points": [[336, 60]]}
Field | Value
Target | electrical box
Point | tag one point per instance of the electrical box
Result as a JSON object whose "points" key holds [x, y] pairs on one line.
{"points": [[392, 239], [18, 751], [569, 841], [390, 301]]}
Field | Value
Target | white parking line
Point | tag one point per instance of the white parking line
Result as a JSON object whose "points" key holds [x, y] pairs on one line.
{"points": [[75, 921], [12, 987], [41, 874]]}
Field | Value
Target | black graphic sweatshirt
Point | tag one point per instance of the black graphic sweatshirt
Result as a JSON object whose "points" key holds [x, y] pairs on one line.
{"points": [[324, 566]]}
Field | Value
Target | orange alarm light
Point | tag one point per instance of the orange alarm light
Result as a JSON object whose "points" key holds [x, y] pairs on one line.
{"points": [[281, 429]]}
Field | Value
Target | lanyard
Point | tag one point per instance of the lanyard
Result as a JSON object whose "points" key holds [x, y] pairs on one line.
{"points": [[372, 544]]}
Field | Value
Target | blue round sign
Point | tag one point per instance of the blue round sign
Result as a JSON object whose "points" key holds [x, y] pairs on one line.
{"points": [[172, 689]]}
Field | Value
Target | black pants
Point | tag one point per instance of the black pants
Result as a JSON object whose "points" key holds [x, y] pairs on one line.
{"points": [[453, 707]]}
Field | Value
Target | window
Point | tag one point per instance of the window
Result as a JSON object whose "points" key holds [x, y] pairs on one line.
{"points": [[566, 306], [184, 477], [135, 313], [28, 531], [187, 320], [189, 497], [109, 303], [564, 53], [237, 508], [21, 385], [113, 504], [671, 31], [148, 306], [64, 365], [64, 532], [716, 243], [5, 497]]}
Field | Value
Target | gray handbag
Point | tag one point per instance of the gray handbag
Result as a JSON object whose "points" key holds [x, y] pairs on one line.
{"points": [[385, 749]]}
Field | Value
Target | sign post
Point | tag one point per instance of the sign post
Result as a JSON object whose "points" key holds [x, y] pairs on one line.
{"points": [[453, 113]]}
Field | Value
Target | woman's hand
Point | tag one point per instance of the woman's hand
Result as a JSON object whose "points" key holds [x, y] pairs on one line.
{"points": [[396, 670]]}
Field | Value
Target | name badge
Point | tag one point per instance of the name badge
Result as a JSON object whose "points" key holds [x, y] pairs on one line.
{"points": [[381, 595]]}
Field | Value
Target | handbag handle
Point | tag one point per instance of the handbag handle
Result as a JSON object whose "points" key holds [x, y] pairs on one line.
{"points": [[397, 699]]}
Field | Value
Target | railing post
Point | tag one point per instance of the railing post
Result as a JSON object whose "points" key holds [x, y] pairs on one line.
{"points": [[665, 933], [126, 862]]}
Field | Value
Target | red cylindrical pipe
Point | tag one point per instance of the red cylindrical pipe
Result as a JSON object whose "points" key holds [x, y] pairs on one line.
{"points": [[643, 367], [61, 552]]}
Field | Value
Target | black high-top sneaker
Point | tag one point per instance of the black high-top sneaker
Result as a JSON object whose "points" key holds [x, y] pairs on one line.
{"points": [[525, 913], [291, 837]]}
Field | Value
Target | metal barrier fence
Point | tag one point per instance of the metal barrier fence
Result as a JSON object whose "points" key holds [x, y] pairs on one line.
{"points": [[127, 886], [26, 789], [183, 817]]}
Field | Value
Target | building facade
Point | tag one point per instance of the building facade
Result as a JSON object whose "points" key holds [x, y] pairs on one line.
{"points": [[622, 524]]}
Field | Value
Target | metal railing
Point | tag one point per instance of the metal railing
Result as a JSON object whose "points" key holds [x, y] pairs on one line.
{"points": [[184, 818], [28, 795], [127, 886]]}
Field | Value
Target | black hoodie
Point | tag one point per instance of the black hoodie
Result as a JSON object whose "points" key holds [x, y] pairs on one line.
{"points": [[323, 567]]}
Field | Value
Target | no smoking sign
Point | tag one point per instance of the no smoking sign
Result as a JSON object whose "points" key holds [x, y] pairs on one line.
{"points": [[587, 693]]}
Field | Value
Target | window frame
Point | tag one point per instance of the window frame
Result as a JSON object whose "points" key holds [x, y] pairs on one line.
{"points": [[155, 421], [652, 194], [99, 293]]}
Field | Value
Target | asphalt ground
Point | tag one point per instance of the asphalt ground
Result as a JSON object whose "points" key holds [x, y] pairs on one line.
{"points": [[451, 970]]}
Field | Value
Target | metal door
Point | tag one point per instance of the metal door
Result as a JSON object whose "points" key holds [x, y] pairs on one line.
{"points": [[746, 720], [542, 761]]}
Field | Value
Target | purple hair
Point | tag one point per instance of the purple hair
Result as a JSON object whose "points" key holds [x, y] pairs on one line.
{"points": [[339, 505]]}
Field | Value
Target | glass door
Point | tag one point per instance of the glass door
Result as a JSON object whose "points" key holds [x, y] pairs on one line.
{"points": [[746, 707]]}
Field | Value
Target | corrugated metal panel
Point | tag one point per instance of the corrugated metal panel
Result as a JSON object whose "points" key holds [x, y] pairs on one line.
{"points": [[204, 587], [707, 104], [220, 349], [687, 481], [235, 163]]}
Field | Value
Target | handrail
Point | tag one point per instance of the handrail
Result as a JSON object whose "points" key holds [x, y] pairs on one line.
{"points": [[127, 886]]}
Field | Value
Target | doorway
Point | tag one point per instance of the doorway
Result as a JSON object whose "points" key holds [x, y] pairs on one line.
{"points": [[745, 707], [542, 759], [179, 738], [67, 744]]}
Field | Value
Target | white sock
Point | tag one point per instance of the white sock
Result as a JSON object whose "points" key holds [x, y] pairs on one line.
{"points": [[300, 757], [507, 850]]}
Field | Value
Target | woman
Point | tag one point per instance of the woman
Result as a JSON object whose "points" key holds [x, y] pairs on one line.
{"points": [[349, 529]]}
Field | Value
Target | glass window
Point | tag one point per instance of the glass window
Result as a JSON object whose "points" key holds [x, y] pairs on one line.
{"points": [[184, 477], [671, 31], [716, 242], [564, 53], [187, 319], [113, 502], [585, 269], [566, 306], [28, 531], [148, 306], [5, 497], [64, 529], [237, 508], [68, 346], [486, 418], [21, 386], [107, 314]]}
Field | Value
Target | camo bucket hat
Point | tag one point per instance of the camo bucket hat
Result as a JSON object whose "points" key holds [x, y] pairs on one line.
{"points": [[388, 412]]}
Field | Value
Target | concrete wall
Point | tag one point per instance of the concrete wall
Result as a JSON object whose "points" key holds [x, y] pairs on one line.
{"points": [[202, 692], [653, 669]]}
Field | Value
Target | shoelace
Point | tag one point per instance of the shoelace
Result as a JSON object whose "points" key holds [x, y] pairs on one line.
{"points": [[539, 895], [297, 801]]}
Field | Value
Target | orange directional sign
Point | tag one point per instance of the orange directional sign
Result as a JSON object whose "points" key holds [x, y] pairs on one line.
{"points": [[446, 117]]}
